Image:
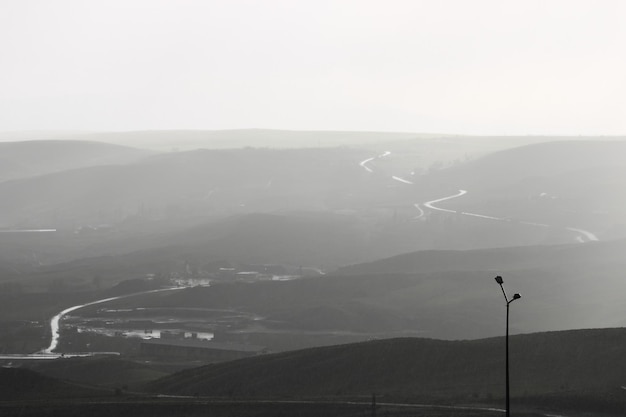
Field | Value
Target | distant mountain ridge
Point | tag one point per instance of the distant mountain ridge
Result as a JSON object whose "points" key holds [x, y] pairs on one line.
{"points": [[179, 183], [40, 157], [495, 259], [541, 160], [167, 140]]}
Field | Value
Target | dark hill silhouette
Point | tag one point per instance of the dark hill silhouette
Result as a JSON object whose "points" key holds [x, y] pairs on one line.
{"points": [[596, 253], [585, 366], [19, 383], [108, 372]]}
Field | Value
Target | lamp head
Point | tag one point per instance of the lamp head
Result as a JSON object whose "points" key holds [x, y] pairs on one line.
{"points": [[499, 280], [516, 296]]}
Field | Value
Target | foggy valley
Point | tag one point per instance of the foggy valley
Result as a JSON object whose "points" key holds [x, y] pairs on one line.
{"points": [[182, 258], [325, 208]]}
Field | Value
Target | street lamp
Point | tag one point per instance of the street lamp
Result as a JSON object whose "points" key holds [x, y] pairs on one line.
{"points": [[516, 296]]}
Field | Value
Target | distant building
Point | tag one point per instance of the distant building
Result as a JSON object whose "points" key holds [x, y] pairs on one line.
{"points": [[195, 349]]}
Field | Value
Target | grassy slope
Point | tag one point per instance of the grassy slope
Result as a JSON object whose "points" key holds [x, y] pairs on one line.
{"points": [[588, 364], [452, 297], [18, 384], [109, 372]]}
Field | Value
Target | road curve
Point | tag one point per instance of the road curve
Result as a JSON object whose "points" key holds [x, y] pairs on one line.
{"points": [[56, 320], [366, 161], [402, 180], [421, 212], [429, 204], [582, 235]]}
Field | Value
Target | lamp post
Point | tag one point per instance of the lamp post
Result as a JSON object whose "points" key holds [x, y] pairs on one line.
{"points": [[516, 296]]}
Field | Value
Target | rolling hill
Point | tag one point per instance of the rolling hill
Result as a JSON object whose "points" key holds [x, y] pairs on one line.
{"points": [[182, 185], [573, 183], [298, 239], [494, 259], [160, 199], [538, 160], [40, 157], [19, 384], [105, 372], [166, 140], [453, 296], [579, 370]]}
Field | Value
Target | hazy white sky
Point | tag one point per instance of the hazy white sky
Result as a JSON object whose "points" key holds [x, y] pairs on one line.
{"points": [[453, 66]]}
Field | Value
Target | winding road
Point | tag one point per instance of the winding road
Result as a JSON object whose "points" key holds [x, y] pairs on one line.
{"points": [[582, 235], [56, 320], [429, 204], [368, 160]]}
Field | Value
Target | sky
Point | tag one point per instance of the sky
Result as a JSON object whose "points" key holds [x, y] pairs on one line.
{"points": [[482, 67]]}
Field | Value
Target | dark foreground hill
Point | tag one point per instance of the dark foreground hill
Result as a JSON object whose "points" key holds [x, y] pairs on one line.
{"points": [[107, 372], [583, 369], [18, 384]]}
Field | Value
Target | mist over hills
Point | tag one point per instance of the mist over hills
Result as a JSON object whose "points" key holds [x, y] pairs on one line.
{"points": [[374, 242], [564, 183], [495, 259], [181, 184], [202, 182], [34, 158], [306, 207], [538, 160], [305, 239], [205, 185], [166, 140]]}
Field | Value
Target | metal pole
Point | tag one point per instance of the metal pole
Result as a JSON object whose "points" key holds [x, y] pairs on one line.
{"points": [[508, 302], [508, 394]]}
